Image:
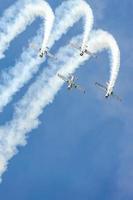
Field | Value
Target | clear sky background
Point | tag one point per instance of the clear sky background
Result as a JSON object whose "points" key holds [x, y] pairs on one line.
{"points": [[83, 149]]}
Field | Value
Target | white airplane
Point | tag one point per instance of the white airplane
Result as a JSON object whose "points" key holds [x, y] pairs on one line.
{"points": [[82, 52], [44, 53], [108, 94], [70, 80]]}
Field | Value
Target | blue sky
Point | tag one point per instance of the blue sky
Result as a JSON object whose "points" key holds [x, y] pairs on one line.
{"points": [[83, 148]]}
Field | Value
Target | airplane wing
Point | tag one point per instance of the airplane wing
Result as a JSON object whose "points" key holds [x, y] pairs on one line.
{"points": [[91, 54], [51, 55], [101, 86], [117, 97], [105, 89], [80, 88], [75, 46], [63, 78]]}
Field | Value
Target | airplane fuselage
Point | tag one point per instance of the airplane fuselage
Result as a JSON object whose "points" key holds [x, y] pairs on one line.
{"points": [[43, 53], [108, 95], [83, 52], [71, 83], [71, 86]]}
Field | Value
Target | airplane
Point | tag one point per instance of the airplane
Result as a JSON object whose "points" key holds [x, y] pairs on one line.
{"points": [[108, 94], [70, 80], [45, 52], [82, 52]]}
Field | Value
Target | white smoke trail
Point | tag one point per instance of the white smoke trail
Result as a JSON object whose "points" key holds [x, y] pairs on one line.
{"points": [[28, 64], [43, 91], [26, 13], [70, 12], [104, 41], [13, 80]]}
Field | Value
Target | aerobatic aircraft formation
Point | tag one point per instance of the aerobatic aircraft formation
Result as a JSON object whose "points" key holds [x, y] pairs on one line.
{"points": [[70, 78], [61, 66]]}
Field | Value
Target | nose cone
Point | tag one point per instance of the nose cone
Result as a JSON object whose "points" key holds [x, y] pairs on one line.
{"points": [[107, 95], [41, 55]]}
